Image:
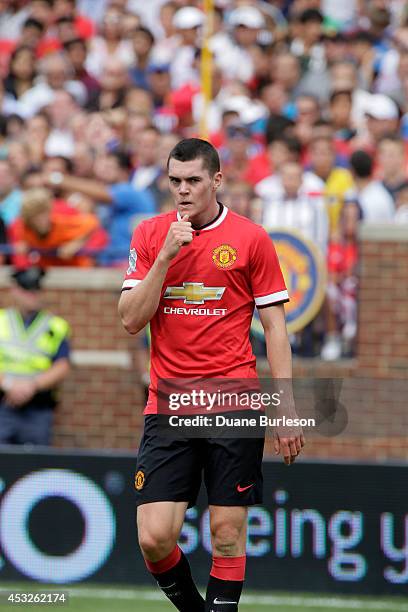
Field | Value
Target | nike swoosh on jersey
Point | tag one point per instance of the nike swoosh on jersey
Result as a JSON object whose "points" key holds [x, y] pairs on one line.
{"points": [[218, 601], [242, 489]]}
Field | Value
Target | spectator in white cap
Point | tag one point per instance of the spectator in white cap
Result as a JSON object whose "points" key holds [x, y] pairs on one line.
{"points": [[382, 117], [234, 58], [187, 21]]}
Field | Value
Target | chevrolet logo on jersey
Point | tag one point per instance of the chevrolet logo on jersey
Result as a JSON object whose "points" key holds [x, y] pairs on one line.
{"points": [[194, 293]]}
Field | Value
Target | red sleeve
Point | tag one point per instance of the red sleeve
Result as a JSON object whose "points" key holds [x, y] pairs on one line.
{"points": [[268, 285], [15, 234], [139, 262]]}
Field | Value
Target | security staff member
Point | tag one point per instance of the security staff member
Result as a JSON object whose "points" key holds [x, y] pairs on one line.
{"points": [[34, 359]]}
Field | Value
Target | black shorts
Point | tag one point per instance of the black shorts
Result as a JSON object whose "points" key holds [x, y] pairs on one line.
{"points": [[172, 469]]}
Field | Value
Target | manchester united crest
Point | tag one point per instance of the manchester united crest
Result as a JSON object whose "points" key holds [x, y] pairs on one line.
{"points": [[224, 256], [139, 480]]}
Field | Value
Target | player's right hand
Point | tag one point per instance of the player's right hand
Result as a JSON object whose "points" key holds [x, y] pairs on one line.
{"points": [[180, 234]]}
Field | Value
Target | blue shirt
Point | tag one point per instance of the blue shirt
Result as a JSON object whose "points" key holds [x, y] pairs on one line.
{"points": [[129, 207], [10, 206]]}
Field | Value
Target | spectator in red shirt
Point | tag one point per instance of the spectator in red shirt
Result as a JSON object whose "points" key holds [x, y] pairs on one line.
{"points": [[57, 237], [84, 27]]}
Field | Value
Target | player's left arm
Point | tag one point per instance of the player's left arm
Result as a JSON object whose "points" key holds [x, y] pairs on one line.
{"points": [[287, 440]]}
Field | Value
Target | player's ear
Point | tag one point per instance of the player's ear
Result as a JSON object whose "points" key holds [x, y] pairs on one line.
{"points": [[217, 180]]}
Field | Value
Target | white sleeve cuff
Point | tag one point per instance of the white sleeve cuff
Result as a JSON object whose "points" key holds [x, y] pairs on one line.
{"points": [[279, 296], [130, 283]]}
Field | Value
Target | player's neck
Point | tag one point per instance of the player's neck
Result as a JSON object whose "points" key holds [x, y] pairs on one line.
{"points": [[208, 217]]}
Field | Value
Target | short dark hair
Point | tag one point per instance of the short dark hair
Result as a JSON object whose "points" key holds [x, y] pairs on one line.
{"points": [[196, 148], [341, 93], [292, 143], [30, 22], [68, 44], [276, 126], [146, 32], [122, 157], [69, 164], [362, 164], [310, 15]]}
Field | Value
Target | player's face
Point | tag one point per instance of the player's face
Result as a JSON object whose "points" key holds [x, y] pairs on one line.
{"points": [[193, 189]]}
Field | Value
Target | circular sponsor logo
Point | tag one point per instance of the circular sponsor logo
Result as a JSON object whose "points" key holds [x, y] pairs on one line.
{"points": [[139, 480], [304, 269], [224, 256]]}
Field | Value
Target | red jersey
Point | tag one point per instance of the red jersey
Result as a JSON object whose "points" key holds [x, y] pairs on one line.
{"points": [[201, 326]]}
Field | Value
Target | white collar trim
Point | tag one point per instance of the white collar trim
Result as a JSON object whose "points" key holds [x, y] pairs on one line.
{"points": [[216, 223]]}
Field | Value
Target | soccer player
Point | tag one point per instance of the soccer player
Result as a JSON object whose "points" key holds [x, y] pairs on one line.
{"points": [[202, 253]]}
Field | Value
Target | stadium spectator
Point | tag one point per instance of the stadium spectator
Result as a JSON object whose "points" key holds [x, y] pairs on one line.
{"points": [[66, 9], [341, 303], [340, 107], [143, 41], [50, 236], [61, 111], [146, 158], [234, 56], [382, 118], [372, 197], [337, 180], [19, 157], [399, 92], [38, 129], [275, 98], [286, 72], [3, 243], [113, 80], [30, 374], [294, 199], [22, 72], [307, 111], [32, 32], [76, 51], [10, 194], [392, 162], [187, 21], [240, 197], [401, 212], [159, 83], [280, 149], [307, 46], [109, 44], [125, 206], [237, 152], [12, 19], [56, 74], [344, 75]]}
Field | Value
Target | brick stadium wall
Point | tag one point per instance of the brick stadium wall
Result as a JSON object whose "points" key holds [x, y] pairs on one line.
{"points": [[101, 401]]}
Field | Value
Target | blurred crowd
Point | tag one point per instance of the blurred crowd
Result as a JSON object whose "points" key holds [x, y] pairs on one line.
{"points": [[309, 111]]}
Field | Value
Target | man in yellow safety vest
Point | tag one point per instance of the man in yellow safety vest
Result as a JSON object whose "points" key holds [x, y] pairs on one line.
{"points": [[34, 359]]}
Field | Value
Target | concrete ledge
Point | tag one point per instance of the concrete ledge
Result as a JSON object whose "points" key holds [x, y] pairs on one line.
{"points": [[102, 359], [383, 232], [92, 279]]}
